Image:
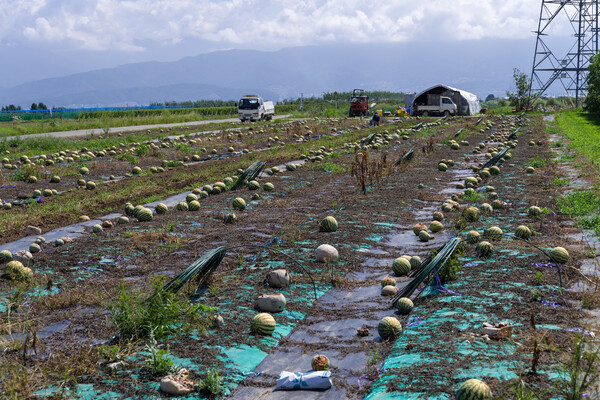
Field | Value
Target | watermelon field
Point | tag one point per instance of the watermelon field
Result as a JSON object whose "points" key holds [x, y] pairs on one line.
{"points": [[421, 259]]}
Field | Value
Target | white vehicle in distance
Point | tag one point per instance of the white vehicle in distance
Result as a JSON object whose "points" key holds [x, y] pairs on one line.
{"points": [[252, 107]]}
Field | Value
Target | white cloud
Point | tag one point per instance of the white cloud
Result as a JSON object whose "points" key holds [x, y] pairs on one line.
{"points": [[261, 24]]}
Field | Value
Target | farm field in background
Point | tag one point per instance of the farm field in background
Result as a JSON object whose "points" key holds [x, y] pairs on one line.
{"points": [[101, 315]]}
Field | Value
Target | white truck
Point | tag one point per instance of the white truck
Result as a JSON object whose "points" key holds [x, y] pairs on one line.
{"points": [[445, 107], [252, 107]]}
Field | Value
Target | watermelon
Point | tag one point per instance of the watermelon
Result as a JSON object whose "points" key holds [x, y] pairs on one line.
{"points": [[418, 228], [401, 266], [484, 249], [268, 187], [424, 236], [59, 242], [442, 167], [263, 324], [415, 262], [530, 170], [487, 208], [5, 256], [207, 188], [471, 214], [34, 248], [473, 389], [320, 363], [290, 167], [145, 214], [161, 208], [388, 281], [253, 185], [497, 204], [84, 171], [494, 170], [229, 218], [136, 171], [97, 228], [534, 211], [123, 220], [239, 204], [16, 270], [329, 224], [47, 193], [194, 205], [55, 179], [182, 206], [89, 185], [473, 237], [215, 190], [136, 210], [389, 327], [438, 216], [191, 197], [203, 194], [404, 305], [560, 255], [494, 233], [436, 226], [523, 232]]}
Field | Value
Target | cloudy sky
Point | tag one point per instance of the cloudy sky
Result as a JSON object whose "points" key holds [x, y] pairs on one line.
{"points": [[139, 25], [105, 33]]}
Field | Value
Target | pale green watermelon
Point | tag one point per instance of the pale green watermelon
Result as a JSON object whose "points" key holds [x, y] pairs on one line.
{"points": [[263, 324]]}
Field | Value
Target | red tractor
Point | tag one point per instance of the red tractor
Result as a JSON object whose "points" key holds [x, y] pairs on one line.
{"points": [[359, 103]]}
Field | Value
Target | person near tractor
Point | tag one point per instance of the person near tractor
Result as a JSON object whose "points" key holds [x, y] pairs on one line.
{"points": [[375, 119]]}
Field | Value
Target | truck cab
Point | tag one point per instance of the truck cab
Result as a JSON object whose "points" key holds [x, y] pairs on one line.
{"points": [[445, 107], [252, 107]]}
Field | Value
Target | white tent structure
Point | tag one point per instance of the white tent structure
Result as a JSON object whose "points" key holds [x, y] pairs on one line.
{"points": [[467, 103]]}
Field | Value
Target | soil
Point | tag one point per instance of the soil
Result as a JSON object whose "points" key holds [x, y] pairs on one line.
{"points": [[87, 273]]}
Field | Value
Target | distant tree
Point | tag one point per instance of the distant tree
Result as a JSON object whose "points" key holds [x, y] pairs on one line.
{"points": [[520, 98], [41, 106], [592, 101], [490, 97], [33, 107]]}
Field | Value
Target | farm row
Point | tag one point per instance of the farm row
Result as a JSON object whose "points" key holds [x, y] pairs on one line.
{"points": [[387, 199]]}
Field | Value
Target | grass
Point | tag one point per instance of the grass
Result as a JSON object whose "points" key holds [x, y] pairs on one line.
{"points": [[139, 315], [584, 132], [61, 125], [584, 206], [537, 162]]}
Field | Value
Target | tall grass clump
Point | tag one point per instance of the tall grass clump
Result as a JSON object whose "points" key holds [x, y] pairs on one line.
{"points": [[137, 316]]}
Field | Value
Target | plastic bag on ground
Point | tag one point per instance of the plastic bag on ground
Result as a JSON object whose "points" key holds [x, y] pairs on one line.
{"points": [[299, 381]]}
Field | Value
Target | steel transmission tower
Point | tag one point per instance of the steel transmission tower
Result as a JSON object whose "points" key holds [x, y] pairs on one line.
{"points": [[570, 67]]}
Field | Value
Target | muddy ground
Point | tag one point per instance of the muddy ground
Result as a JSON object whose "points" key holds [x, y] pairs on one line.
{"points": [[79, 280]]}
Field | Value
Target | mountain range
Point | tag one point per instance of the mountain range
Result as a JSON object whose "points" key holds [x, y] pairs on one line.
{"points": [[481, 67]]}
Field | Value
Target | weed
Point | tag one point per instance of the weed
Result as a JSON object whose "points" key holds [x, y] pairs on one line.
{"points": [[472, 196], [212, 382], [522, 392], [535, 295], [372, 360], [560, 182], [158, 359], [161, 314], [537, 162], [109, 353], [580, 372], [329, 167], [449, 271], [584, 206], [17, 381], [369, 172], [128, 157], [538, 278]]}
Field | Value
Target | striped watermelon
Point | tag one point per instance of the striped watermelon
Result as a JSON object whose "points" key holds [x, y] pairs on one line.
{"points": [[415, 262], [191, 197], [436, 226], [253, 185], [523, 232], [268, 187], [473, 389], [329, 224], [388, 281], [404, 305], [484, 249], [161, 208], [194, 205], [145, 214], [182, 206], [401, 266], [239, 204], [389, 327], [494, 233], [560, 255], [34, 248], [263, 324], [97, 228], [123, 220], [5, 256]]}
